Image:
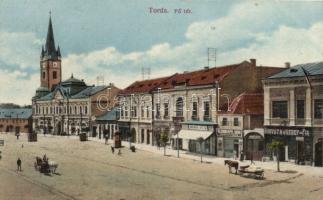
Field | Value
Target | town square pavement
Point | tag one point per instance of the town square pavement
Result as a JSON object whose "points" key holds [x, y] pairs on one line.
{"points": [[88, 170]]}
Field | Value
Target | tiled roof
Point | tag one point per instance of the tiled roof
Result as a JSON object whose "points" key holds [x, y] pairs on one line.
{"points": [[15, 113], [143, 86], [313, 69], [110, 115], [201, 77], [247, 103]]}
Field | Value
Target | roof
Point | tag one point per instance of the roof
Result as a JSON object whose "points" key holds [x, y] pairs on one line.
{"points": [[73, 80], [110, 115], [143, 86], [89, 91], [312, 69], [50, 51], [15, 113], [247, 103], [201, 77]]}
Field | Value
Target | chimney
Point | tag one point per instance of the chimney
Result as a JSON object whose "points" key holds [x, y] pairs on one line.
{"points": [[287, 64], [253, 62]]}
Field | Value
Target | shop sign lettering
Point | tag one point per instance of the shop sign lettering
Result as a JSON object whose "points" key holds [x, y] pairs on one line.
{"points": [[288, 132]]}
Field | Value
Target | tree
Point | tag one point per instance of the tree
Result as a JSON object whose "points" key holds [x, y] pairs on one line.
{"points": [[200, 140], [275, 147], [163, 141]]}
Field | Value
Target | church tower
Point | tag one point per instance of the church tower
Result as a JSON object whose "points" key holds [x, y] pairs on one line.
{"points": [[50, 61]]}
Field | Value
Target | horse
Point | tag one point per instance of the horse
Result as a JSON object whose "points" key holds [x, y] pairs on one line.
{"points": [[231, 164], [52, 165]]}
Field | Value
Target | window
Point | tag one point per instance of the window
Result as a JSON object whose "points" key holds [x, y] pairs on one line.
{"points": [[134, 111], [194, 111], [157, 110], [279, 109], [121, 111], [224, 121], [147, 110], [300, 109], [142, 135], [179, 107], [166, 110], [44, 75], [54, 75], [81, 111], [142, 111], [207, 111], [126, 111], [318, 109], [85, 110], [236, 121]]}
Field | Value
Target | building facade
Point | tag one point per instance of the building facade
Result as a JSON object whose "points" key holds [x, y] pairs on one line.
{"points": [[293, 113], [240, 128], [189, 100], [70, 106], [16, 120]]}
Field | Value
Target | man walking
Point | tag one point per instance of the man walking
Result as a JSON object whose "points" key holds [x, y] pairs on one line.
{"points": [[112, 149], [18, 164]]}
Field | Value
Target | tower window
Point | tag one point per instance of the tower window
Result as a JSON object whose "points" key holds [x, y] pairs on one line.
{"points": [[54, 75], [44, 74]]}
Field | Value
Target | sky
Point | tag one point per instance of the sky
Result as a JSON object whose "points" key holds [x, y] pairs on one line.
{"points": [[115, 39]]}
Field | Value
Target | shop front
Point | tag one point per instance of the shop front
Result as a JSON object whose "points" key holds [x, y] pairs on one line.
{"points": [[298, 143], [230, 143], [191, 131], [124, 129]]}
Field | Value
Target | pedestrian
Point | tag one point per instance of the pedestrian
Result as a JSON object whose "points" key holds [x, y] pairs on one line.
{"points": [[18, 164], [22, 145], [112, 149], [119, 152], [17, 134], [106, 139]]}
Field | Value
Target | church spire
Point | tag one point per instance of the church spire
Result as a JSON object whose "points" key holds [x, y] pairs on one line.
{"points": [[50, 42]]}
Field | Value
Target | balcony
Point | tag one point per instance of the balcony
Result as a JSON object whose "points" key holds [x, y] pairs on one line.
{"points": [[195, 118]]}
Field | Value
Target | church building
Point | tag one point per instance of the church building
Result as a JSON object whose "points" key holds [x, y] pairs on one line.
{"points": [[67, 107]]}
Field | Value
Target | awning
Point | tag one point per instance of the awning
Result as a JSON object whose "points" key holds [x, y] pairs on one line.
{"points": [[193, 134]]}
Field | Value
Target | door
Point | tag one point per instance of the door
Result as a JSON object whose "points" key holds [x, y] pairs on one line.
{"points": [[236, 150], [300, 152], [318, 154]]}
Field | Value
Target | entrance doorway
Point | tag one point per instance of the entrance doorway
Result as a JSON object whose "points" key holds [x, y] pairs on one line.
{"points": [[254, 146], [300, 152], [318, 154], [236, 150]]}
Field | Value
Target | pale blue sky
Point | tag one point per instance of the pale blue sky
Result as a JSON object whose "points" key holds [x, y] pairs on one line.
{"points": [[117, 38]]}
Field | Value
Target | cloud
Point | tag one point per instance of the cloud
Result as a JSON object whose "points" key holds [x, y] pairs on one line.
{"points": [[273, 33]]}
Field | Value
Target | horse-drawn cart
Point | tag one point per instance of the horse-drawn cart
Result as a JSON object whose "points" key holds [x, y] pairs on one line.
{"points": [[45, 166]]}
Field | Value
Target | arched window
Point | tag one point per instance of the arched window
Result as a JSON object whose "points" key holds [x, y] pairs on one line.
{"points": [[85, 110], [44, 75], [74, 109], [179, 107], [81, 109]]}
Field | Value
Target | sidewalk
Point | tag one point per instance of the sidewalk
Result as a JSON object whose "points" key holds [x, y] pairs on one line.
{"points": [[172, 154]]}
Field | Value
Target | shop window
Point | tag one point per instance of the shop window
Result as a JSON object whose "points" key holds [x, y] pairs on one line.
{"points": [[318, 108], [236, 121], [279, 109], [300, 109], [224, 121], [261, 146]]}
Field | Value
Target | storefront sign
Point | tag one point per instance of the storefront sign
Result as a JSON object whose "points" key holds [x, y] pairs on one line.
{"points": [[197, 127], [255, 137], [287, 132], [299, 138], [230, 133]]}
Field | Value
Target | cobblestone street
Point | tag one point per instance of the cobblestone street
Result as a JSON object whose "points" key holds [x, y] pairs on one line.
{"points": [[89, 170]]}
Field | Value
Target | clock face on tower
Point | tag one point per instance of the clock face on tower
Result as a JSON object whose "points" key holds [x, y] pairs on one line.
{"points": [[44, 65], [54, 64]]}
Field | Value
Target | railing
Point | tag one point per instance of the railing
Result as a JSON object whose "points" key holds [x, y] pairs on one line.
{"points": [[207, 118], [195, 118]]}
